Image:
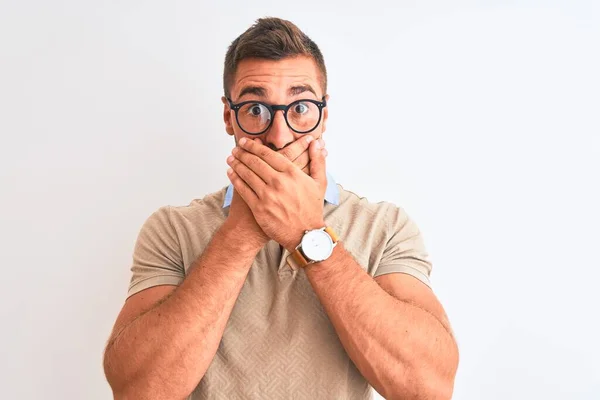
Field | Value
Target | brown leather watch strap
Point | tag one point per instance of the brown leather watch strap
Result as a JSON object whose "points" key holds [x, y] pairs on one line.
{"points": [[298, 259], [333, 235]]}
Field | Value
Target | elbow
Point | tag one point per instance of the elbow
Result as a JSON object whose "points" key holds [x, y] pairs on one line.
{"points": [[431, 388], [114, 378], [431, 381], [132, 384], [141, 390], [438, 388], [122, 383], [109, 369]]}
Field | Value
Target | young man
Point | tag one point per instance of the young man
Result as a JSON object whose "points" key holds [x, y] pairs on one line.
{"points": [[282, 285]]}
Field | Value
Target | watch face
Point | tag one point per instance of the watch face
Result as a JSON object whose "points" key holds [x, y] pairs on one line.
{"points": [[317, 245]]}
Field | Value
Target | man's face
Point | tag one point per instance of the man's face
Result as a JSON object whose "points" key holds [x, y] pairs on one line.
{"points": [[275, 83]]}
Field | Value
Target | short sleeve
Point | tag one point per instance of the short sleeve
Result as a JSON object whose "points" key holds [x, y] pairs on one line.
{"points": [[157, 258], [404, 251]]}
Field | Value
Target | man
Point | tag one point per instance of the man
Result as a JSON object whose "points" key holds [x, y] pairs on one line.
{"points": [[282, 285]]}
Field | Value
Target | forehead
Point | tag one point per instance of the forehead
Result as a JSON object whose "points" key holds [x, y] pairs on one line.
{"points": [[277, 75]]}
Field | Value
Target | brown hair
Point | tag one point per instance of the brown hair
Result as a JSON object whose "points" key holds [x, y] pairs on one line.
{"points": [[271, 39]]}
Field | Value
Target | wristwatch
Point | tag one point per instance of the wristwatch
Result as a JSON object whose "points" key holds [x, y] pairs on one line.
{"points": [[316, 246]]}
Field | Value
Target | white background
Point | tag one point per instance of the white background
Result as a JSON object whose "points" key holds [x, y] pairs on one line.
{"points": [[480, 118]]}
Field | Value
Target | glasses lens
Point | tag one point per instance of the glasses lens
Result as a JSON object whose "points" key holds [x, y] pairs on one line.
{"points": [[254, 117], [303, 116]]}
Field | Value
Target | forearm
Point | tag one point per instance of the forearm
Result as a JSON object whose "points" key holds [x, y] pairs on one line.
{"points": [[165, 352], [402, 350]]}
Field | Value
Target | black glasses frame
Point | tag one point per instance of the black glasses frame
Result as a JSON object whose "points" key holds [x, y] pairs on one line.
{"points": [[273, 108]]}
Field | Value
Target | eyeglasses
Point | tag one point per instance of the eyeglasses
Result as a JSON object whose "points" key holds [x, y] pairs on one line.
{"points": [[256, 117]]}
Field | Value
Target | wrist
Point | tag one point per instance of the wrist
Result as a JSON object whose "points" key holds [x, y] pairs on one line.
{"points": [[296, 238], [243, 240]]}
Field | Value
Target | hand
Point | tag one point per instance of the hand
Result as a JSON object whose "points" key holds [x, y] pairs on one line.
{"points": [[298, 153], [239, 212], [285, 201]]}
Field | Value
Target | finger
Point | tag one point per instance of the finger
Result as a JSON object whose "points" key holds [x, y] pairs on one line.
{"points": [[242, 188], [257, 165], [303, 160], [294, 150], [274, 159], [247, 175], [317, 163], [306, 167]]}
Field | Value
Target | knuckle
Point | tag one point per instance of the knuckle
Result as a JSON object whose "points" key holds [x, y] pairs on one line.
{"points": [[252, 162], [277, 183], [287, 153], [264, 152], [260, 207], [270, 196], [289, 168], [242, 157]]}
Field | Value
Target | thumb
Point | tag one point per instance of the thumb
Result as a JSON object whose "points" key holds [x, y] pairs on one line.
{"points": [[317, 162]]}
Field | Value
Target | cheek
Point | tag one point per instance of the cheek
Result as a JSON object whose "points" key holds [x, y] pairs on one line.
{"points": [[238, 133]]}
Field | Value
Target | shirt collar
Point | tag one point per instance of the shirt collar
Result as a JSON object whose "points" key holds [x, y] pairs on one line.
{"points": [[332, 193]]}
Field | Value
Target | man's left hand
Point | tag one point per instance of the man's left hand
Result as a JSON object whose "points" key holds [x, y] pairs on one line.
{"points": [[284, 200]]}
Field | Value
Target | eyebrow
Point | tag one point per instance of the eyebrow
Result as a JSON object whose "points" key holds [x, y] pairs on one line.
{"points": [[260, 91], [255, 90], [296, 90]]}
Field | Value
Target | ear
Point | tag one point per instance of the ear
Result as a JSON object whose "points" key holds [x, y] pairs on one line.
{"points": [[325, 114], [228, 116]]}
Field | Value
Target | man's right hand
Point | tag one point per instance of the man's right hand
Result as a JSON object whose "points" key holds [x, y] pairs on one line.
{"points": [[239, 212]]}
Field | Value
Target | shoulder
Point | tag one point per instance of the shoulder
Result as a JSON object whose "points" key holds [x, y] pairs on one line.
{"points": [[382, 215], [211, 205], [365, 224], [204, 214], [373, 232], [185, 230]]}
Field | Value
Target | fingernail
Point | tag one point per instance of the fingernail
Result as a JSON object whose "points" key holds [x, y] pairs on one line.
{"points": [[242, 141], [229, 171], [235, 150], [319, 144], [309, 139], [325, 152], [229, 159]]}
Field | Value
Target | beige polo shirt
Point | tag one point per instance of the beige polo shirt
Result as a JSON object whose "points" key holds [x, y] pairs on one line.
{"points": [[279, 342]]}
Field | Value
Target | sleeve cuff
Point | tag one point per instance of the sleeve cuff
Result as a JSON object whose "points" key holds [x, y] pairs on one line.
{"points": [[402, 269], [157, 280]]}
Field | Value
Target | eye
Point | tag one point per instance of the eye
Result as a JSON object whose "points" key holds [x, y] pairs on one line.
{"points": [[256, 110], [301, 108]]}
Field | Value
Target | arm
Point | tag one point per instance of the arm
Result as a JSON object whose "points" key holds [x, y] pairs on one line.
{"points": [[166, 336], [396, 332], [164, 352], [398, 338]]}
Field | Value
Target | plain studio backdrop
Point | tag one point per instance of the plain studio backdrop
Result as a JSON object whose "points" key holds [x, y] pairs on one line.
{"points": [[481, 119]]}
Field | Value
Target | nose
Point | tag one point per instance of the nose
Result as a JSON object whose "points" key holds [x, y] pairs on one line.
{"points": [[279, 134]]}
